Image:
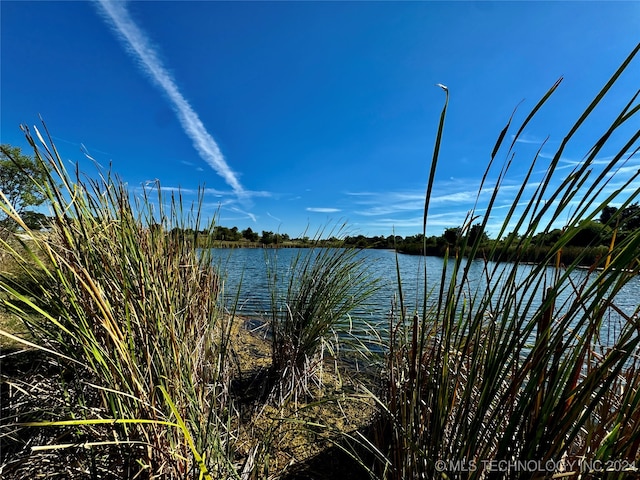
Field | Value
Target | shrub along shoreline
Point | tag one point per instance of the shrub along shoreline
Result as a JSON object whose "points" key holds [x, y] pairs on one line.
{"points": [[533, 254]]}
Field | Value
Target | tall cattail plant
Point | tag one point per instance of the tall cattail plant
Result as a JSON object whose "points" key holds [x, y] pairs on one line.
{"points": [[133, 304], [514, 367]]}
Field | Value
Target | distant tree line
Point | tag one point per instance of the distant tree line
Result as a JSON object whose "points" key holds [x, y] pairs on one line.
{"points": [[219, 235], [590, 239]]}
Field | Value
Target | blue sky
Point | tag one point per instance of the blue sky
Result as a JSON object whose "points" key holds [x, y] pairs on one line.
{"points": [[294, 115]]}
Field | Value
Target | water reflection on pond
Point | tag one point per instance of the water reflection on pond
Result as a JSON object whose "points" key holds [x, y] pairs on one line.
{"points": [[247, 269]]}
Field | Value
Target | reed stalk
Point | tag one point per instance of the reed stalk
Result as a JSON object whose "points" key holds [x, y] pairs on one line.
{"points": [[135, 311], [309, 314], [502, 370]]}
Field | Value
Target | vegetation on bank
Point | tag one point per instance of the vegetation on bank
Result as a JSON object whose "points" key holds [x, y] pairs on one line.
{"points": [[589, 240], [150, 352], [519, 376], [525, 376], [19, 177]]}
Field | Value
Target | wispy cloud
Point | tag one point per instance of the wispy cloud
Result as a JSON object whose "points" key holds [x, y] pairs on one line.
{"points": [[390, 203], [275, 218], [322, 210], [246, 214], [413, 224], [528, 139], [152, 184], [390, 209], [192, 191], [139, 46]]}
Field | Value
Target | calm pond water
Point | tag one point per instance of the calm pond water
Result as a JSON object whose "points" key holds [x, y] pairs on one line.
{"points": [[245, 272], [247, 268]]}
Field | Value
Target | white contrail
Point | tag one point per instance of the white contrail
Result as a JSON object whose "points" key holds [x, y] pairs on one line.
{"points": [[323, 210], [138, 44]]}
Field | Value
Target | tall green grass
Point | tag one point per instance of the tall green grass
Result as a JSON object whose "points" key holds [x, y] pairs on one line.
{"points": [[308, 311], [131, 303], [136, 308], [519, 368]]}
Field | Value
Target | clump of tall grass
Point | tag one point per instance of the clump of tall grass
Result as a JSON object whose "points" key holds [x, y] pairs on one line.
{"points": [[136, 308], [309, 314], [523, 375]]}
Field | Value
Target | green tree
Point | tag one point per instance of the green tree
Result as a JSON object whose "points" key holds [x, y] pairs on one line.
{"points": [[628, 219], [234, 234], [590, 233], [250, 235], [35, 220], [607, 213], [268, 237], [20, 176], [225, 233], [451, 235], [477, 233], [631, 218]]}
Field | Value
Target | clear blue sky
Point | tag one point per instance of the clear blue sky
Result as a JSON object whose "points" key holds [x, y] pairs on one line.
{"points": [[294, 115]]}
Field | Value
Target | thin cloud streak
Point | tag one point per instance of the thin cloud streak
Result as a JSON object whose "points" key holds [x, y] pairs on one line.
{"points": [[138, 44], [242, 212], [528, 139], [275, 218], [437, 222], [322, 210], [151, 185]]}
